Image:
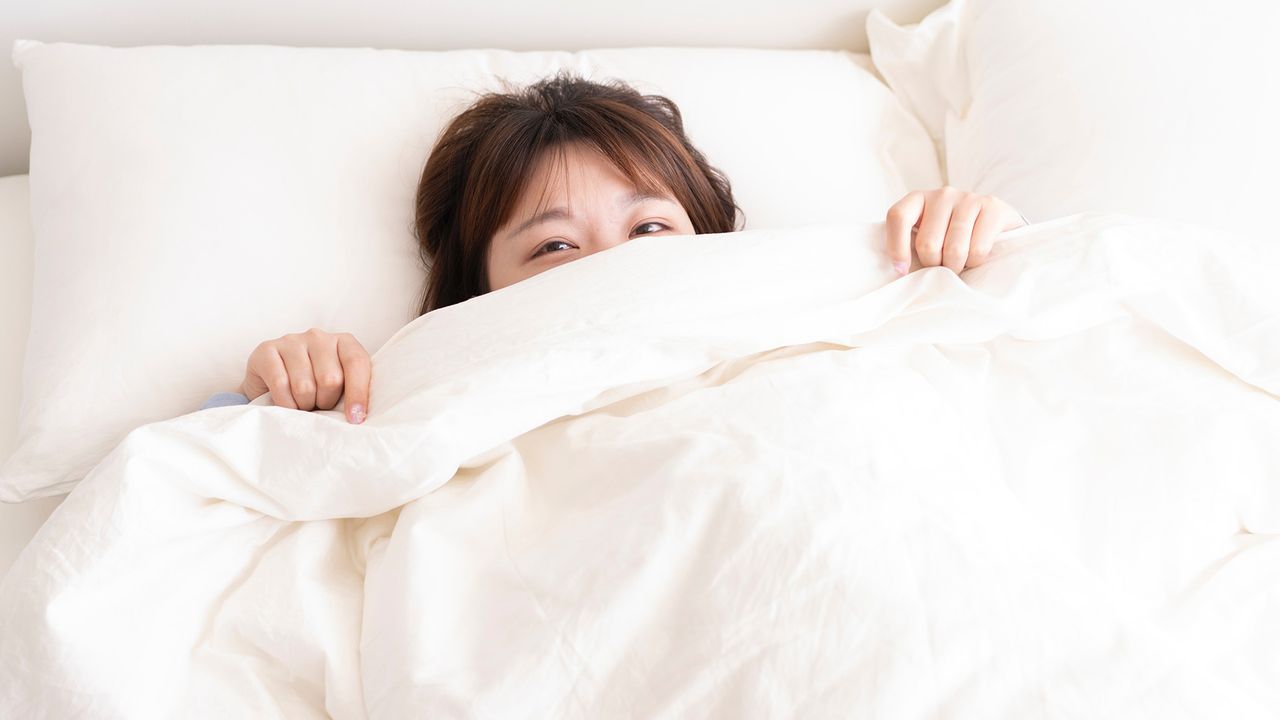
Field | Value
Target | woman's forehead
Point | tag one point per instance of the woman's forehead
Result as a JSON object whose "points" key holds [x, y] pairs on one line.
{"points": [[565, 168], [569, 167]]}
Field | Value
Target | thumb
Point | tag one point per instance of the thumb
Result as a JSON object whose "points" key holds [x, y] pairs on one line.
{"points": [[356, 407], [357, 372]]}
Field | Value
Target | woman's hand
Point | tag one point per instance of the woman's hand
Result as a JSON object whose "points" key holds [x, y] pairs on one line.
{"points": [[310, 370], [951, 227]]}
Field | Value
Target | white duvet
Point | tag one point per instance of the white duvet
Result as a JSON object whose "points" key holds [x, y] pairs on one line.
{"points": [[743, 475]]}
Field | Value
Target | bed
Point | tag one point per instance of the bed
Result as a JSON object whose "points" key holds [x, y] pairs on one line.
{"points": [[770, 484]]}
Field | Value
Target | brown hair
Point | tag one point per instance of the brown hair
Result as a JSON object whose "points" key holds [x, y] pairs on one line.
{"points": [[485, 157]]}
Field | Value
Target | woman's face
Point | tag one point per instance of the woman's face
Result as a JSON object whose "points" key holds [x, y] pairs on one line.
{"points": [[589, 206]]}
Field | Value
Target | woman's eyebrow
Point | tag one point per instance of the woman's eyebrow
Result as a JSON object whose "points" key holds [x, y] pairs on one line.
{"points": [[562, 213], [559, 213], [637, 197]]}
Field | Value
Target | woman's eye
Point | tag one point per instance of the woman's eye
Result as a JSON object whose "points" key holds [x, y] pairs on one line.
{"points": [[550, 246], [659, 225]]}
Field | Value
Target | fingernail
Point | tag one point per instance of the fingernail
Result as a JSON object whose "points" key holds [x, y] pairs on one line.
{"points": [[901, 267], [357, 413]]}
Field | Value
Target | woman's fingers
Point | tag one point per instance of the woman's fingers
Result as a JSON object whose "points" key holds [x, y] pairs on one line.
{"points": [[988, 225], [996, 217], [269, 366], [933, 226], [954, 229], [310, 370], [898, 223], [253, 385], [297, 361], [956, 246], [322, 348], [359, 374]]}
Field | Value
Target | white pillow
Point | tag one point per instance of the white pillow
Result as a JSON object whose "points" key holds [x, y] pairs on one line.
{"points": [[190, 202], [15, 300], [1166, 109]]}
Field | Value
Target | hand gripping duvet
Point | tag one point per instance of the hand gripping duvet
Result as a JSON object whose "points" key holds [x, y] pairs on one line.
{"points": [[748, 475]]}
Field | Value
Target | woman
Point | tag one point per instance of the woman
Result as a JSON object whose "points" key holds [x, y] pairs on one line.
{"points": [[523, 181]]}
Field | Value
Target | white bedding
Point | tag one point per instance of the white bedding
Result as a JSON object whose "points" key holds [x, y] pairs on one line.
{"points": [[744, 475]]}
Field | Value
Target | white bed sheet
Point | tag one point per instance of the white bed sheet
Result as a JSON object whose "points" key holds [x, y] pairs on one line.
{"points": [[744, 475]]}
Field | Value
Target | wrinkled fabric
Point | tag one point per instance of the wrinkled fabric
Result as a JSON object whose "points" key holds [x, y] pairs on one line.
{"points": [[741, 475]]}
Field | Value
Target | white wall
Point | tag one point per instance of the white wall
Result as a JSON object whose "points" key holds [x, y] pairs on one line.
{"points": [[426, 25]]}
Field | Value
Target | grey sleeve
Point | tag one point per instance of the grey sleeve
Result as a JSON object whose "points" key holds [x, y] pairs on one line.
{"points": [[222, 399]]}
